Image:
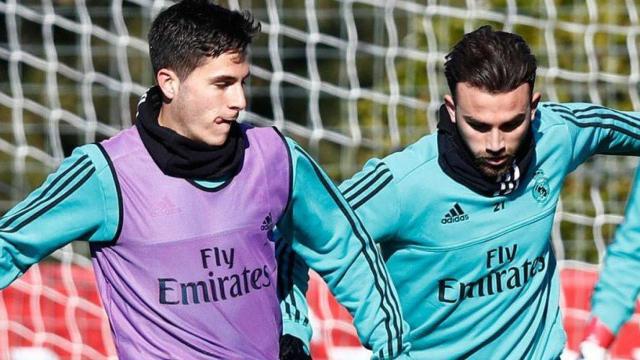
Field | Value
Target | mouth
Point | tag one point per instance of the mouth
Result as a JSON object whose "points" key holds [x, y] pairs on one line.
{"points": [[494, 166], [221, 120], [496, 161]]}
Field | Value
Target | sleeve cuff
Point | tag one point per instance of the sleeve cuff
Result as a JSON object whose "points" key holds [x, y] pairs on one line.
{"points": [[300, 331]]}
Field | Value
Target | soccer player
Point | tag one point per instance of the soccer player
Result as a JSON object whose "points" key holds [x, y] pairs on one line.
{"points": [[618, 287], [464, 216], [179, 211]]}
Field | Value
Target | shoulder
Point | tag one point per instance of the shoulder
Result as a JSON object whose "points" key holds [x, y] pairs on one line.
{"points": [[251, 130], [572, 117], [296, 151], [552, 122], [266, 138], [417, 157], [550, 114], [125, 143], [93, 155], [569, 113]]}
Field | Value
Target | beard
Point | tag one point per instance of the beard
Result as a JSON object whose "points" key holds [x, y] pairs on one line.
{"points": [[493, 171]]}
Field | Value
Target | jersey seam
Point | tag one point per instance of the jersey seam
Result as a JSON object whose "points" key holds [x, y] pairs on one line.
{"points": [[104, 206], [264, 167], [550, 119], [103, 195], [571, 148], [249, 227], [112, 170], [396, 184], [493, 236], [396, 208], [424, 163], [285, 209]]}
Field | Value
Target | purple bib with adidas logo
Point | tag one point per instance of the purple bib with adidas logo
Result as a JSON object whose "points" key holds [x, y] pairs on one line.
{"points": [[192, 274]]}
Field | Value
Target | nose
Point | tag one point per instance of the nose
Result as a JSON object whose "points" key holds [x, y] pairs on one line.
{"points": [[237, 99], [495, 142]]}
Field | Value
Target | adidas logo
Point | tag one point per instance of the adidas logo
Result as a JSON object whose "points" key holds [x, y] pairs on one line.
{"points": [[164, 207], [267, 223], [455, 214]]}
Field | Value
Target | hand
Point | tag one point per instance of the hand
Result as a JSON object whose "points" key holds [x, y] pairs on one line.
{"points": [[292, 348]]}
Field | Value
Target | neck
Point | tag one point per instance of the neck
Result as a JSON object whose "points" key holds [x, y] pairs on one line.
{"points": [[178, 155], [457, 162], [165, 120], [162, 118]]}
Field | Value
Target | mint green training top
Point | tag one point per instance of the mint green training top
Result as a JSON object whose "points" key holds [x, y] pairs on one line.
{"points": [[477, 276], [618, 287], [80, 201]]}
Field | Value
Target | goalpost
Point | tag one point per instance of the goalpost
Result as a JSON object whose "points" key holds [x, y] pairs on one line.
{"points": [[348, 79]]}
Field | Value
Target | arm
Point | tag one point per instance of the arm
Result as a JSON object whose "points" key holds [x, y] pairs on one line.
{"points": [[325, 232], [293, 279], [78, 201], [372, 194], [617, 289], [595, 129]]}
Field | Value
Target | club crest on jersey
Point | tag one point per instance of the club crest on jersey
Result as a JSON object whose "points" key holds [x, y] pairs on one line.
{"points": [[541, 190]]}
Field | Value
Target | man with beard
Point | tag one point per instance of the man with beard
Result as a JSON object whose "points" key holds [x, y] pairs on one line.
{"points": [[464, 216], [616, 292], [179, 211]]}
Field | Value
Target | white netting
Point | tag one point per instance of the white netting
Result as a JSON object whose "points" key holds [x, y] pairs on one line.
{"points": [[348, 79]]}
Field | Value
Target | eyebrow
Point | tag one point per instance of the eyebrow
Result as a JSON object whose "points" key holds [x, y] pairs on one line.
{"points": [[228, 78], [474, 121]]}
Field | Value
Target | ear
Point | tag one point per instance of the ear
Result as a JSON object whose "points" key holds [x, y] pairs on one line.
{"points": [[451, 107], [535, 99], [169, 82]]}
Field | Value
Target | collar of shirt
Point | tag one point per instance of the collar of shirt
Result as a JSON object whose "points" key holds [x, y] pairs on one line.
{"points": [[182, 157], [456, 160]]}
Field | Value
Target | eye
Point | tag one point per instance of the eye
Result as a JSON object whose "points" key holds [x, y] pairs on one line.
{"points": [[512, 125], [222, 84], [479, 127], [244, 80]]}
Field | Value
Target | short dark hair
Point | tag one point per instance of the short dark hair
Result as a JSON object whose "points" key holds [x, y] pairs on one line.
{"points": [[185, 33], [495, 61]]}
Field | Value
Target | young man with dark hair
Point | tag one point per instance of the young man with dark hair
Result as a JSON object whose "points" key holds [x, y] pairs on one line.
{"points": [[180, 209], [617, 290], [464, 216]]}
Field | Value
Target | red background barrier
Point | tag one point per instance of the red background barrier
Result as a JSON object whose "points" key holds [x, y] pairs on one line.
{"points": [[62, 315]]}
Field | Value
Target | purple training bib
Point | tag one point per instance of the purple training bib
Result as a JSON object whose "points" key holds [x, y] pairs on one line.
{"points": [[192, 274]]}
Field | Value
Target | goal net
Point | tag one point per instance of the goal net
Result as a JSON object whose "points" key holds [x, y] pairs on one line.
{"points": [[347, 79]]}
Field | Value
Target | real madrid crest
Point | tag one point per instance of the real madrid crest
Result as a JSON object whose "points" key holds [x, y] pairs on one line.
{"points": [[541, 191]]}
